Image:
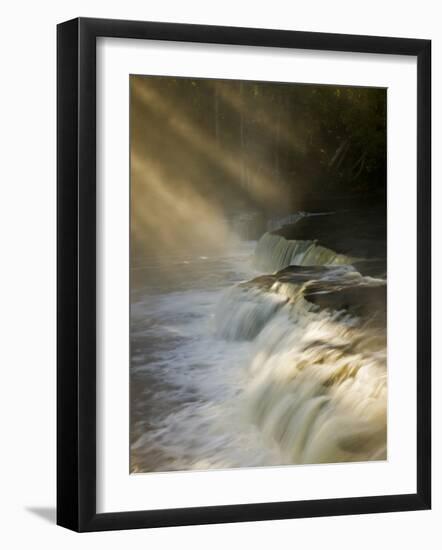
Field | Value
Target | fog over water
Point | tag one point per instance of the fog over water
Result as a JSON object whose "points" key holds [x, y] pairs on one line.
{"points": [[258, 274]]}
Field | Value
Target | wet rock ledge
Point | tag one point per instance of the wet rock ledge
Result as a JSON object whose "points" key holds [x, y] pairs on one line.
{"points": [[338, 288]]}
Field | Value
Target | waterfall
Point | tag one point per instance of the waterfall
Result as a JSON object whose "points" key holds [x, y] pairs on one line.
{"points": [[274, 252], [316, 380], [243, 312], [236, 368], [318, 388]]}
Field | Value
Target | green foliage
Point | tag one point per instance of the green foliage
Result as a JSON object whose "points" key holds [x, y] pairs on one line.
{"points": [[306, 140]]}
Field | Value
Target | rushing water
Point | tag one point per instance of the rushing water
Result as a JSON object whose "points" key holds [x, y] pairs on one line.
{"points": [[275, 252], [232, 374]]}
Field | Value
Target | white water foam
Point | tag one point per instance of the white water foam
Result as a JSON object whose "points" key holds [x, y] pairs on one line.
{"points": [[246, 377]]}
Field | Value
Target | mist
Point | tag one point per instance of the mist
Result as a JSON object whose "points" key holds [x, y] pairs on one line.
{"points": [[208, 154]]}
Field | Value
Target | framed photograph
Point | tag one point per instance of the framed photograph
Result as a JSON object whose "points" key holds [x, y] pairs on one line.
{"points": [[243, 274]]}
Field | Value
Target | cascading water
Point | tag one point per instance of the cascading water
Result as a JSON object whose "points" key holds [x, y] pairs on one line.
{"points": [[243, 312], [234, 368], [274, 252], [317, 378]]}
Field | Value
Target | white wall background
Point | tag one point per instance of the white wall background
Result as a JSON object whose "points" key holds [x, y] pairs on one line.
{"points": [[27, 289]]}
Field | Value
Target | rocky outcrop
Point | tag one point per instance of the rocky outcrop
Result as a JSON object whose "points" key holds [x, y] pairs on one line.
{"points": [[338, 288], [338, 238]]}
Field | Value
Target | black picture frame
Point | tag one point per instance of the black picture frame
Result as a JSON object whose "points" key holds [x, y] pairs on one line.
{"points": [[76, 274]]}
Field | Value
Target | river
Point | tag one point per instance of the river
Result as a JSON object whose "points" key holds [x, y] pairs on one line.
{"points": [[228, 374]]}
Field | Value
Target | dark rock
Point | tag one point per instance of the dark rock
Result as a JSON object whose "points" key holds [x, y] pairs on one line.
{"points": [[339, 288], [359, 233], [367, 302]]}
